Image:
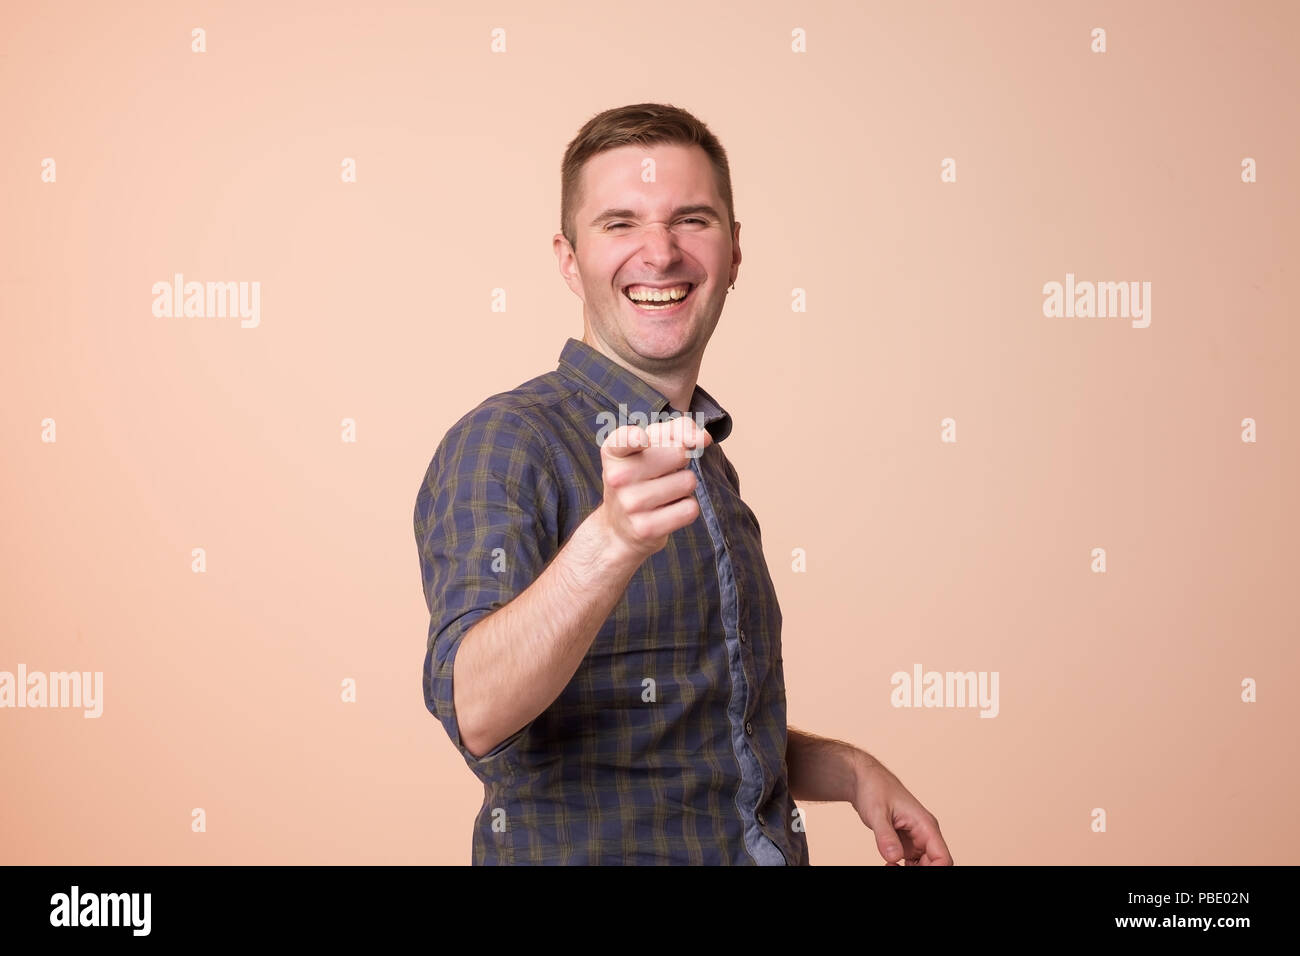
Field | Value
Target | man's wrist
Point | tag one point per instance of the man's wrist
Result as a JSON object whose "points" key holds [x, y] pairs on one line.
{"points": [[612, 550], [864, 768]]}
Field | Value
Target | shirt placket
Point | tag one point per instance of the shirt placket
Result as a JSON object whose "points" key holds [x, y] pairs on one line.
{"points": [[760, 846]]}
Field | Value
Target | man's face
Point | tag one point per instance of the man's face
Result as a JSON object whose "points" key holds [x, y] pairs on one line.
{"points": [[669, 233]]}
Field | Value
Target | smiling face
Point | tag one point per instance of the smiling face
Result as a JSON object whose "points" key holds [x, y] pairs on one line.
{"points": [[670, 234]]}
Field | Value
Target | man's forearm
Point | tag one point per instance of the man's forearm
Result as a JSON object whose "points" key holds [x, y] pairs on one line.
{"points": [[823, 769], [512, 664]]}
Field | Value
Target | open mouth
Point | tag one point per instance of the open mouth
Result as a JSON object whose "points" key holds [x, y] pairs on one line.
{"points": [[660, 305]]}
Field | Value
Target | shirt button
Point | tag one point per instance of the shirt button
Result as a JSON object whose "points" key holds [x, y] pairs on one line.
{"points": [[749, 727], [742, 635]]}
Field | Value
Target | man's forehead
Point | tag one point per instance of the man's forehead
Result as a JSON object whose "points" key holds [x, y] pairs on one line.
{"points": [[618, 177]]}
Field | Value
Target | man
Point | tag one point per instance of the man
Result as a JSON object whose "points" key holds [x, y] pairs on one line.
{"points": [[605, 641]]}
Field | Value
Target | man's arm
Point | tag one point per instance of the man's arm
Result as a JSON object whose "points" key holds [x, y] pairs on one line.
{"points": [[824, 769], [513, 663]]}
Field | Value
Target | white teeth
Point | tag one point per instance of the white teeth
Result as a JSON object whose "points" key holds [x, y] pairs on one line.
{"points": [[658, 295]]}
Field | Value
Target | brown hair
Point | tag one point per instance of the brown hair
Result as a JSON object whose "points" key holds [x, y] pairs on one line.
{"points": [[640, 125]]}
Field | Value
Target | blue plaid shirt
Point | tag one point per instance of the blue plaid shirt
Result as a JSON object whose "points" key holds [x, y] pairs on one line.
{"points": [[668, 744]]}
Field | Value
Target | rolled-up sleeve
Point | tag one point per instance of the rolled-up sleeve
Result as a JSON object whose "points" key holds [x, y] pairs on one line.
{"points": [[485, 527]]}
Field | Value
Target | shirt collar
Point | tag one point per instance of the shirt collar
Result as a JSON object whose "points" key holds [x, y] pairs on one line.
{"points": [[618, 386]]}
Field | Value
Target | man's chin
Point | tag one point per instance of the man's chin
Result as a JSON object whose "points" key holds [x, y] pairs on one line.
{"points": [[650, 343], [661, 347]]}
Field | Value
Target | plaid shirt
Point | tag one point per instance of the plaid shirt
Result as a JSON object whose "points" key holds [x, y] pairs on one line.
{"points": [[668, 744]]}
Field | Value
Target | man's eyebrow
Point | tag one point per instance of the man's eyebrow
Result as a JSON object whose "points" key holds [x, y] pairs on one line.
{"points": [[679, 211]]}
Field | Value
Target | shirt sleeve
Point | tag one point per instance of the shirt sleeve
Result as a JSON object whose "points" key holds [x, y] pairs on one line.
{"points": [[485, 528]]}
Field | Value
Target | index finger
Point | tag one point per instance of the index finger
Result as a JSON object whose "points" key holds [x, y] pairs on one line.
{"points": [[625, 441], [681, 430], [928, 840]]}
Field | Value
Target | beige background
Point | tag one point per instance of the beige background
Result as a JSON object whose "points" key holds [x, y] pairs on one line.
{"points": [[1119, 690]]}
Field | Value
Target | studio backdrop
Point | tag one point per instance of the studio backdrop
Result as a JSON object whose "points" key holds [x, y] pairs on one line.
{"points": [[1011, 362]]}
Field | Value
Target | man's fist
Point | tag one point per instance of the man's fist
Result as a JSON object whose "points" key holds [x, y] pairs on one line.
{"points": [[649, 490]]}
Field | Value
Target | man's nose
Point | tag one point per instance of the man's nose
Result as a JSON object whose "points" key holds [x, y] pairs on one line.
{"points": [[657, 239]]}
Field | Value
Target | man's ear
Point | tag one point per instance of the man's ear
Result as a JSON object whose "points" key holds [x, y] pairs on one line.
{"points": [[735, 252], [567, 260]]}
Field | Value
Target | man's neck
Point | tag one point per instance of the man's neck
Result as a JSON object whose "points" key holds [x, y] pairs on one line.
{"points": [[678, 386]]}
